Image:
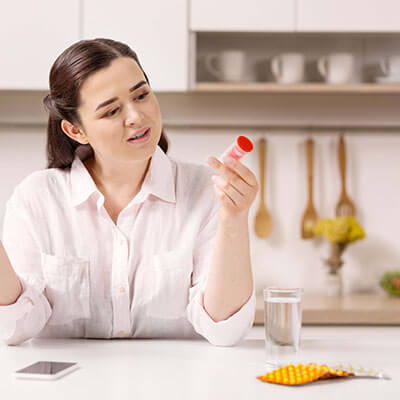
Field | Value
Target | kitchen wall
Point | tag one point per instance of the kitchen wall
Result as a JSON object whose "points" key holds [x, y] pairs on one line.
{"points": [[283, 258]]}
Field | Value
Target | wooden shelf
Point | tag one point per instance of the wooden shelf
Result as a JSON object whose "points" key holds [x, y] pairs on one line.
{"points": [[300, 88], [352, 309]]}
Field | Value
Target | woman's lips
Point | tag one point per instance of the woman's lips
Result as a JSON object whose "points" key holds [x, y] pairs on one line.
{"points": [[139, 132], [143, 139]]}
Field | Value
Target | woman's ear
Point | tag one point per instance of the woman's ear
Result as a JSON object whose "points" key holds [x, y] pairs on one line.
{"points": [[73, 132]]}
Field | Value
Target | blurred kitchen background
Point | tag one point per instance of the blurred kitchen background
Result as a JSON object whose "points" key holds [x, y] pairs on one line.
{"points": [[355, 92]]}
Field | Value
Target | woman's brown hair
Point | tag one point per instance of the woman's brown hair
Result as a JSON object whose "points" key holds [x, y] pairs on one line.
{"points": [[67, 75]]}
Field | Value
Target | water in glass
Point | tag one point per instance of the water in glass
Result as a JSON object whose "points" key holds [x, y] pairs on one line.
{"points": [[282, 321]]}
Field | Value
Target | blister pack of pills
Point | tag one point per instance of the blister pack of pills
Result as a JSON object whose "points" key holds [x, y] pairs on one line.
{"points": [[301, 374]]}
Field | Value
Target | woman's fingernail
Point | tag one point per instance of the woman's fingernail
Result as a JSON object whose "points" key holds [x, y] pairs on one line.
{"points": [[227, 160], [212, 161]]}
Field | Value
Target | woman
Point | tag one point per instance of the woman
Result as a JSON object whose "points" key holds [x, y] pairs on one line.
{"points": [[115, 238]]}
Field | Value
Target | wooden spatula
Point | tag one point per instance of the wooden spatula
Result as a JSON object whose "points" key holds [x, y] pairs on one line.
{"points": [[310, 216], [345, 206], [263, 223]]}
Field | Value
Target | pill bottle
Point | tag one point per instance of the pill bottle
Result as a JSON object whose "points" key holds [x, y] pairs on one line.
{"points": [[240, 147]]}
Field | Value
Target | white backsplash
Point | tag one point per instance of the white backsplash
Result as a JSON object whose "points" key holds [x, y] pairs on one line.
{"points": [[373, 182]]}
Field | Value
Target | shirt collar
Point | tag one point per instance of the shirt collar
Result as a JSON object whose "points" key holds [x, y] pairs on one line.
{"points": [[159, 180]]}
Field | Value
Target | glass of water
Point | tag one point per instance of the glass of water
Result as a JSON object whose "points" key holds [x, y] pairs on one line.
{"points": [[282, 321]]}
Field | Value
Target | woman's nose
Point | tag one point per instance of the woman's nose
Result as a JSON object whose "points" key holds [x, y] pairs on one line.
{"points": [[134, 115]]}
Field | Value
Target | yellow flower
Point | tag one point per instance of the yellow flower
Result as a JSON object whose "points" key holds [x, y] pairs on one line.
{"points": [[339, 230]]}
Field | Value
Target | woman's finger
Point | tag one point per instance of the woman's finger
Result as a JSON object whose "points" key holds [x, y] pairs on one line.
{"points": [[229, 175], [237, 198], [225, 199], [241, 170]]}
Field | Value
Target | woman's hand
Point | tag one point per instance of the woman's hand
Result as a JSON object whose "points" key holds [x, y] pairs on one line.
{"points": [[236, 186]]}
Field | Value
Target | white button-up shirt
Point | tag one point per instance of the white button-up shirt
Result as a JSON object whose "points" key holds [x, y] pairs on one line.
{"points": [[144, 277]]}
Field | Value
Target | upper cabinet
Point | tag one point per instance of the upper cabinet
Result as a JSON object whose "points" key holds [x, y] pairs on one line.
{"points": [[295, 15], [245, 16], [157, 30], [348, 15], [31, 38]]}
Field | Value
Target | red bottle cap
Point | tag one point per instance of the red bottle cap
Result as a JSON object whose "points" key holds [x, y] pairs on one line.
{"points": [[244, 143]]}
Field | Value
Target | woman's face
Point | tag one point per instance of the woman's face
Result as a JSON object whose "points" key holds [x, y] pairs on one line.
{"points": [[116, 103]]}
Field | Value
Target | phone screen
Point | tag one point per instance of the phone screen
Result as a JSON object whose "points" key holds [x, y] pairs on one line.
{"points": [[45, 367]]}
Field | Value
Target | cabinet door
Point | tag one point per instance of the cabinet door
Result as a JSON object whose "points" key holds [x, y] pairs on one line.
{"points": [[32, 35], [348, 15], [239, 15], [155, 29]]}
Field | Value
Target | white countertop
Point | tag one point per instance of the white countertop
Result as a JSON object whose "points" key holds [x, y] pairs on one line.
{"points": [[194, 369]]}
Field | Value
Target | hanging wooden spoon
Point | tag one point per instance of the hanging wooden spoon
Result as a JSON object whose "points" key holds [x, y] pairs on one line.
{"points": [[344, 207], [263, 223], [310, 216]]}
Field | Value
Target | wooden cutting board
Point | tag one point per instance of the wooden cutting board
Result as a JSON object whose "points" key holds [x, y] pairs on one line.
{"points": [[352, 309]]}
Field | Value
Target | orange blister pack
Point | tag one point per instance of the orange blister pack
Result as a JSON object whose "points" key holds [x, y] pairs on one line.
{"points": [[301, 374]]}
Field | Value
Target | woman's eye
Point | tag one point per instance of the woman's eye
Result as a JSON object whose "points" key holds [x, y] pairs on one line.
{"points": [[110, 113], [142, 96]]}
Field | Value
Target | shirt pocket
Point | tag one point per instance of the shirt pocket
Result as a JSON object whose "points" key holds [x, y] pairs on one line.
{"points": [[67, 287], [171, 277]]}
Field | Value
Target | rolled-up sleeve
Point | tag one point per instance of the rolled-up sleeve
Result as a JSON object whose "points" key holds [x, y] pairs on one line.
{"points": [[28, 315], [231, 330]]}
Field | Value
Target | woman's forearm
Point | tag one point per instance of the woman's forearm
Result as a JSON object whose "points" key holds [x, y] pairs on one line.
{"points": [[10, 285], [230, 280]]}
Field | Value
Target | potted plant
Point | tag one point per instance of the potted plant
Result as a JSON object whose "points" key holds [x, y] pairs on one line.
{"points": [[340, 232], [390, 282]]}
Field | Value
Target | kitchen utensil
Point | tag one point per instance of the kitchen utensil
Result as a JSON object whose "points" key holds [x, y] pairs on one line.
{"points": [[263, 223], [310, 216], [345, 206]]}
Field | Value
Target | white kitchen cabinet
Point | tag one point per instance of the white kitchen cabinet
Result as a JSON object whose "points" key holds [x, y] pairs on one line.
{"points": [[157, 30], [245, 16], [32, 35], [348, 15]]}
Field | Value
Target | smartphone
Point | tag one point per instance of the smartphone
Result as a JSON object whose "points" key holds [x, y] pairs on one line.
{"points": [[46, 370]]}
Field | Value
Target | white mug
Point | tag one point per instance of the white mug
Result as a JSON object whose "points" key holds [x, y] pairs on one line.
{"points": [[288, 67], [390, 66], [337, 67], [229, 65]]}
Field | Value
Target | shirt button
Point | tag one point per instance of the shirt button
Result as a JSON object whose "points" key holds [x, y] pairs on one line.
{"points": [[121, 241], [122, 289], [121, 333]]}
